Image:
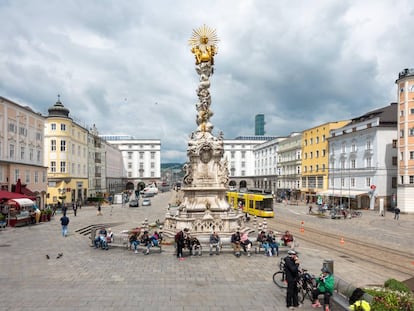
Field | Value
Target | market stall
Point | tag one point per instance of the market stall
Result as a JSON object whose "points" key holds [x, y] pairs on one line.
{"points": [[20, 212]]}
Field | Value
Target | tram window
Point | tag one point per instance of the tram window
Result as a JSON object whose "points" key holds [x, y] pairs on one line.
{"points": [[260, 205], [268, 204]]}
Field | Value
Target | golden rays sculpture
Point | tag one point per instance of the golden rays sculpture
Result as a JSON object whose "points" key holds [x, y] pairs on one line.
{"points": [[203, 44]]}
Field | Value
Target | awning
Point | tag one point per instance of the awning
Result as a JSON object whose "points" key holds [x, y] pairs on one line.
{"points": [[342, 194], [23, 202], [11, 195]]}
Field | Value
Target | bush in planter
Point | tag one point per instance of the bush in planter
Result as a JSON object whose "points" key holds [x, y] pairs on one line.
{"points": [[393, 296]]}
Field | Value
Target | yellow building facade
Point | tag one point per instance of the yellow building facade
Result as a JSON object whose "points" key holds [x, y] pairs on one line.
{"points": [[66, 155], [315, 159]]}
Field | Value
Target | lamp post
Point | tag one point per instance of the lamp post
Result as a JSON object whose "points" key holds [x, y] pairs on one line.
{"points": [[264, 186]]}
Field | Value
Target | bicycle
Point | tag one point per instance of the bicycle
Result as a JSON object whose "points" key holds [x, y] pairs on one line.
{"points": [[279, 277], [356, 214], [306, 284]]}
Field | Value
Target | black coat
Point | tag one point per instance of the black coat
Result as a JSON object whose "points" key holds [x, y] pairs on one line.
{"points": [[291, 269]]}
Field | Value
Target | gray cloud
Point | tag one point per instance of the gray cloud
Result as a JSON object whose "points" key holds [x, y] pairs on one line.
{"points": [[127, 68]]}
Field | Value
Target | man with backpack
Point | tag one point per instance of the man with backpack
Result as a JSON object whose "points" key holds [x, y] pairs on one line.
{"points": [[64, 221], [357, 302], [180, 241]]}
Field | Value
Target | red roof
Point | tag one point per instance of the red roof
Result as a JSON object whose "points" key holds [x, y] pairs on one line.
{"points": [[12, 195]]}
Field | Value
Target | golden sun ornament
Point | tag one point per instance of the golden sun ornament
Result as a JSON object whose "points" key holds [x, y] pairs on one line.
{"points": [[203, 44]]}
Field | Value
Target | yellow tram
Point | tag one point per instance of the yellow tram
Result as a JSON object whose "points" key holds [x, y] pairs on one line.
{"points": [[256, 204]]}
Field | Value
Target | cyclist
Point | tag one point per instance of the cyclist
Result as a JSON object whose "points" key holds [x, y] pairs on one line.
{"points": [[292, 275], [325, 285]]}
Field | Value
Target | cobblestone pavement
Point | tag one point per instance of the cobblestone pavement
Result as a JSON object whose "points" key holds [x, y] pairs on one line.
{"points": [[84, 278]]}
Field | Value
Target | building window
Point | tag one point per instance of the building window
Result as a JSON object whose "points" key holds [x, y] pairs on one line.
{"points": [[368, 162], [342, 164], [38, 156], [342, 182], [316, 167], [129, 165], [343, 148], [243, 154], [36, 177], [53, 145], [368, 144], [412, 111], [129, 155], [411, 155], [401, 133], [394, 143], [152, 165], [323, 152], [11, 151], [368, 181], [63, 127], [311, 141], [353, 163], [395, 161], [129, 174], [317, 139], [53, 126], [411, 132], [323, 168], [63, 167], [53, 166], [141, 155], [311, 155], [352, 182], [317, 153], [394, 182], [411, 179], [63, 145], [353, 147], [16, 174], [31, 154], [22, 149], [152, 155]]}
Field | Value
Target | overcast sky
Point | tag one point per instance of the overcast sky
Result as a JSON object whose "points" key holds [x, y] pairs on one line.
{"points": [[126, 66]]}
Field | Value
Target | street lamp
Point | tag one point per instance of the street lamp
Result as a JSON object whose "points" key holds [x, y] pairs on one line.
{"points": [[265, 185]]}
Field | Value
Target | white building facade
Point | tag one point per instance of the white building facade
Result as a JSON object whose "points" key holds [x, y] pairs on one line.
{"points": [[240, 155], [141, 158], [363, 161], [289, 166]]}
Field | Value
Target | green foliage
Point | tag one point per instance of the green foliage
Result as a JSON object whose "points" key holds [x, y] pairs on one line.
{"points": [[393, 296], [95, 199], [393, 284], [2, 217]]}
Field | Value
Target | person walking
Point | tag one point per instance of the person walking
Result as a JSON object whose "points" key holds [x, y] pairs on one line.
{"points": [[75, 208], [397, 212], [292, 275], [99, 213], [64, 221]]}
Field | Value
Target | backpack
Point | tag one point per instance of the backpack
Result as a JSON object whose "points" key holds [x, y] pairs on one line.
{"points": [[177, 237], [355, 296]]}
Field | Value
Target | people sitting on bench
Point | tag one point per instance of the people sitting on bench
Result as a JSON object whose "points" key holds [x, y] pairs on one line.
{"points": [[288, 240], [325, 286], [155, 239], [246, 243], [215, 243], [235, 242], [272, 245], [109, 236], [146, 241], [133, 241], [100, 240]]}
